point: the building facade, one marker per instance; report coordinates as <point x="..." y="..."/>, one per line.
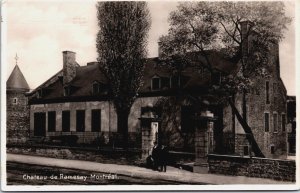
<point x="76" y="102"/>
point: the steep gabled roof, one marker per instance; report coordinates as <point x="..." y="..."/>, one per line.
<point x="16" y="80"/>
<point x="81" y="85"/>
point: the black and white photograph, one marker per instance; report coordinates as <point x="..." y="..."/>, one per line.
<point x="148" y="95"/>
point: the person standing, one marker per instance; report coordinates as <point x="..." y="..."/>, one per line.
<point x="164" y="157"/>
<point x="155" y="156"/>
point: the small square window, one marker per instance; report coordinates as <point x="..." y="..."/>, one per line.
<point x="15" y="101"/>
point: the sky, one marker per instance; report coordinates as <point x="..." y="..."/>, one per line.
<point x="38" y="31"/>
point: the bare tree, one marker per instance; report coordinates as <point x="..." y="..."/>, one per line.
<point x="217" y="26"/>
<point x="121" y="46"/>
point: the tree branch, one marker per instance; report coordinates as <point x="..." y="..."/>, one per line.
<point x="229" y="33"/>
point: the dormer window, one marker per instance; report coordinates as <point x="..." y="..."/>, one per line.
<point x="96" y="88"/>
<point x="155" y="84"/>
<point x="67" y="91"/>
<point x="40" y="93"/>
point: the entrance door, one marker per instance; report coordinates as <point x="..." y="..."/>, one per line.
<point x="39" y="124"/>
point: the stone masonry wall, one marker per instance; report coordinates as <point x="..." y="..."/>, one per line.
<point x="256" y="109"/>
<point x="17" y="122"/>
<point x="284" y="170"/>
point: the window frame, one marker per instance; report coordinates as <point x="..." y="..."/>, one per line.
<point x="15" y="101"/>
<point x="80" y="120"/>
<point x="97" y="88"/>
<point x="275" y="122"/>
<point x="67" y="91"/>
<point x="244" y="148"/>
<point x="267" y="129"/>
<point x="267" y="91"/>
<point x="159" y="82"/>
<point x="272" y="149"/>
<point x="68" y="123"/>
<point x="92" y="120"/>
<point x="40" y="93"/>
<point x="48" y="121"/>
<point x="283" y="126"/>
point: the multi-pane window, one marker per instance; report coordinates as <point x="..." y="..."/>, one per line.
<point x="283" y="122"/>
<point x="267" y="92"/>
<point x="96" y="120"/>
<point x="275" y="122"/>
<point x="80" y="120"/>
<point x="51" y="121"/>
<point x="267" y="122"/>
<point x="66" y="121"/>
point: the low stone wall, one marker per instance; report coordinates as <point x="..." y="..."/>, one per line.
<point x="284" y="170"/>
<point x="103" y="156"/>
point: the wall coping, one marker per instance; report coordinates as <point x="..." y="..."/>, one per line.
<point x="248" y="157"/>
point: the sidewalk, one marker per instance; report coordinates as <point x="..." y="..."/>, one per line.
<point x="172" y="174"/>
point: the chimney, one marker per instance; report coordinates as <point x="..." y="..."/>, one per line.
<point x="159" y="49"/>
<point x="91" y="63"/>
<point x="69" y="66"/>
<point x="245" y="36"/>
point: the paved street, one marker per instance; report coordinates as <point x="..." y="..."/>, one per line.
<point x="173" y="175"/>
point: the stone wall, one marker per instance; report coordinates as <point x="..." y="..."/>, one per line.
<point x="17" y="122"/>
<point x="284" y="170"/>
<point x="256" y="109"/>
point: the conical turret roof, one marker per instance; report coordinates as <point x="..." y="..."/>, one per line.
<point x="16" y="80"/>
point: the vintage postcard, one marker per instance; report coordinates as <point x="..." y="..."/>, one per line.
<point x="148" y="95"/>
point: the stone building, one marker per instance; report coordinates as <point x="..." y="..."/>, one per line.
<point x="291" y="119"/>
<point x="75" y="101"/>
<point x="17" y="107"/>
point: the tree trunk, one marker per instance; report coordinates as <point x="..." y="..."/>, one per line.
<point x="244" y="106"/>
<point x="248" y="131"/>
<point x="123" y="126"/>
